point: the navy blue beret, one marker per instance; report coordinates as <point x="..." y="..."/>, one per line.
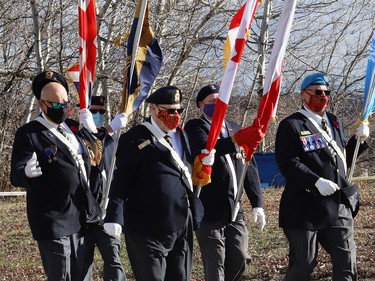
<point x="206" y="91"/>
<point x="97" y="100"/>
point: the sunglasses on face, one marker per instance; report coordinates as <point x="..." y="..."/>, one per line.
<point x="101" y="111"/>
<point x="56" y="105"/>
<point x="171" y="110"/>
<point x="320" y="92"/>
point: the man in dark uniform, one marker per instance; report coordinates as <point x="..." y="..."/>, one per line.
<point x="315" y="205"/>
<point x="151" y="192"/>
<point x="108" y="244"/>
<point x="50" y="160"/>
<point x="223" y="236"/>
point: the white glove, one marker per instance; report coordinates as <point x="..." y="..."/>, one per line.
<point x="258" y="213"/>
<point x="32" y="169"/>
<point x="210" y="158"/>
<point x="326" y="187"/>
<point x="113" y="229"/>
<point x="119" y="122"/>
<point x="363" y="131"/>
<point x="85" y="118"/>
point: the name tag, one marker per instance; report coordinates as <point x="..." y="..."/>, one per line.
<point x="313" y="142"/>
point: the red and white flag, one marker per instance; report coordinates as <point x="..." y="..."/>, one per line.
<point x="271" y="90"/>
<point x="87" y="49"/>
<point x="237" y="34"/>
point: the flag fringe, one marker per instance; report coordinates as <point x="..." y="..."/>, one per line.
<point x="201" y="174"/>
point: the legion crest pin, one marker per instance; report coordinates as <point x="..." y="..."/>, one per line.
<point x="177" y="96"/>
<point x="49" y="74"/>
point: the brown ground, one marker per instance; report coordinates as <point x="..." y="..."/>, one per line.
<point x="19" y="257"/>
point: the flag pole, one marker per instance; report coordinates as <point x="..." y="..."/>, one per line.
<point x="240" y="189"/>
<point x="140" y="10"/>
<point x="354" y="160"/>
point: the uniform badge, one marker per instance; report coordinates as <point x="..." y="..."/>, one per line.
<point x="177" y="96"/>
<point x="144" y="144"/>
<point x="49" y="74"/>
<point x="305" y="133"/>
<point x="50" y="153"/>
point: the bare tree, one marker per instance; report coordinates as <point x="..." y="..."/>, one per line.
<point x="329" y="36"/>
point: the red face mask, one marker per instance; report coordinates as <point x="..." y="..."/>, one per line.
<point x="317" y="103"/>
<point x="169" y="120"/>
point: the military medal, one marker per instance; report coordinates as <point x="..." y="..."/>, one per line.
<point x="316" y="141"/>
<point x="50" y="152"/>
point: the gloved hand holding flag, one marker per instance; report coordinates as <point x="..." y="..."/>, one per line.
<point x="203" y="164"/>
<point x="249" y="137"/>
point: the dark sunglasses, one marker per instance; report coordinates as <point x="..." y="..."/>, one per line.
<point x="101" y="111"/>
<point x="56" y="105"/>
<point x="320" y="92"/>
<point x="171" y="110"/>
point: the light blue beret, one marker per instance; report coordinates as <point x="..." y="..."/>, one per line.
<point x="314" y="79"/>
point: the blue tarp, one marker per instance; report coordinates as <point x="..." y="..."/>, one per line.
<point x="269" y="172"/>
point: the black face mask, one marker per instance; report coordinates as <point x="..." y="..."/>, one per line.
<point x="57" y="115"/>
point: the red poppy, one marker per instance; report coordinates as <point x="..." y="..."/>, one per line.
<point x="335" y="124"/>
<point x="73" y="128"/>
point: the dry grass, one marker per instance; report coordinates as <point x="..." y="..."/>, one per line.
<point x="19" y="257"/>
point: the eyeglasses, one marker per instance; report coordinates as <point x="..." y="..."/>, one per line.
<point x="101" y="111"/>
<point x="319" y="92"/>
<point x="56" y="105"/>
<point x="171" y="110"/>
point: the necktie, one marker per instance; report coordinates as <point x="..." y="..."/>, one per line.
<point x="61" y="130"/>
<point x="325" y="128"/>
<point x="169" y="140"/>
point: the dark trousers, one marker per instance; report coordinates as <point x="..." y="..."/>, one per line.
<point x="109" y="248"/>
<point x="60" y="258"/>
<point x="337" y="240"/>
<point x="223" y="249"/>
<point x="167" y="257"/>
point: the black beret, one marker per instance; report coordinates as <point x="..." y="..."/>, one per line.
<point x="97" y="100"/>
<point x="206" y="91"/>
<point x="165" y="95"/>
<point x="45" y="77"/>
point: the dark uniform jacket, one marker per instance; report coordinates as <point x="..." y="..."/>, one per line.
<point x="302" y="206"/>
<point x="217" y="197"/>
<point x="58" y="200"/>
<point x="103" y="167"/>
<point x="148" y="192"/>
